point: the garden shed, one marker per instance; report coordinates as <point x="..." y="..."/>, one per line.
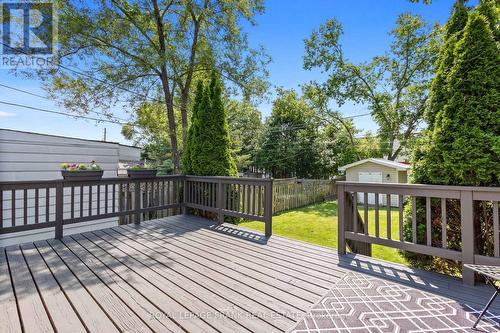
<point x="376" y="170"/>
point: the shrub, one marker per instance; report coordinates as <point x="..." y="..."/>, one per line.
<point x="463" y="145"/>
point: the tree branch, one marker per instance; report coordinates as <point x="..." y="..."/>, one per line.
<point x="135" y="23"/>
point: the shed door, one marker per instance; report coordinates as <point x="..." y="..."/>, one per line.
<point x="369" y="177"/>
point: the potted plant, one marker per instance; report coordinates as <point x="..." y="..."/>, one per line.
<point x="142" y="170"/>
<point x="75" y="171"/>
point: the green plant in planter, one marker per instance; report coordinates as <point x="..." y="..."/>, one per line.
<point x="142" y="166"/>
<point x="73" y="167"/>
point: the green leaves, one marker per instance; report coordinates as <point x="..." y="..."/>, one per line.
<point x="393" y="86"/>
<point x="452" y="34"/>
<point x="152" y="51"/>
<point x="465" y="136"/>
<point x="245" y="128"/>
<point x="323" y="49"/>
<point x="462" y="145"/>
<point x="208" y="151"/>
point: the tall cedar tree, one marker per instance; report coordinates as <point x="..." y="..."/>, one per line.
<point x="452" y="34"/>
<point x="187" y="157"/>
<point x="490" y="10"/>
<point x="464" y="144"/>
<point x="209" y="147"/>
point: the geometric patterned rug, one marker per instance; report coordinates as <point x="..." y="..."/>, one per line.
<point x="360" y="303"/>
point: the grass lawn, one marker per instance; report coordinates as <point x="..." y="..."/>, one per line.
<point x="317" y="224"/>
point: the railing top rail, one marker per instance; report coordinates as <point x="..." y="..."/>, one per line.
<point x="229" y="179"/>
<point x="64" y="181"/>
<point x="284" y="180"/>
<point x="421" y="186"/>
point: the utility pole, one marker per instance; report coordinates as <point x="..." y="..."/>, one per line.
<point x="104" y="137"/>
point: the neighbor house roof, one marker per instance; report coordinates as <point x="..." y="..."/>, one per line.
<point x="392" y="164"/>
<point x="69" y="137"/>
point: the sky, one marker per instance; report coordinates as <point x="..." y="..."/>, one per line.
<point x="281" y="30"/>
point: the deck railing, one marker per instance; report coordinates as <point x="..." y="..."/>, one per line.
<point x="30" y="205"/>
<point x="248" y="198"/>
<point x="358" y="227"/>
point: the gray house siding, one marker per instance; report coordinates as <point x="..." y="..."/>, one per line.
<point x="32" y="156"/>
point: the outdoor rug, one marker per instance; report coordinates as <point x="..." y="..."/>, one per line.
<point x="361" y="303"/>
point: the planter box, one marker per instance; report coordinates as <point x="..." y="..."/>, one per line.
<point x="145" y="173"/>
<point x="82" y="174"/>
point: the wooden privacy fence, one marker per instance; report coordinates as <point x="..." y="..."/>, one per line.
<point x="294" y="193"/>
<point x="30" y="205"/>
<point x="429" y="207"/>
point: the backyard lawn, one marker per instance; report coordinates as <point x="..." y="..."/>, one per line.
<point x="317" y="224"/>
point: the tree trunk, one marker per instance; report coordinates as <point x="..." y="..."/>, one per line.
<point x="172" y="128"/>
<point x="184" y="117"/>
<point x="166" y="89"/>
<point x="391" y="155"/>
<point x="189" y="79"/>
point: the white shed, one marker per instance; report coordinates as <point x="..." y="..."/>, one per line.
<point x="376" y="170"/>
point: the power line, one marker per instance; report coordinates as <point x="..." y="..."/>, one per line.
<point x="41" y="96"/>
<point x="134" y="92"/>
<point x="281" y="159"/>
<point x="269" y="128"/>
<point x="279" y="128"/>
<point x="61" y="113"/>
<point x="97" y="79"/>
<point x="23" y="91"/>
<point x="358" y="115"/>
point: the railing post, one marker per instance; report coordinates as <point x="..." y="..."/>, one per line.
<point x="137" y="202"/>
<point x="341" y="215"/>
<point x="268" y="208"/>
<point x="220" y="199"/>
<point x="59" y="210"/>
<point x="184" y="195"/>
<point x="468" y="237"/>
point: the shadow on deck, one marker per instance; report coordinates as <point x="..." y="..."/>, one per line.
<point x="184" y="273"/>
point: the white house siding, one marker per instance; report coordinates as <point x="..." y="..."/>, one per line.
<point x="352" y="174"/>
<point x="31" y="156"/>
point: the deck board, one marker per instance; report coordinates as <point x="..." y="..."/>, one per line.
<point x="438" y="283"/>
<point x="11" y="322"/>
<point x="147" y="287"/>
<point x="183" y="274"/>
<point x="217" y="291"/>
<point x="88" y="309"/>
<point x="33" y="315"/>
<point x="201" y="300"/>
<point x="232" y="288"/>
<point x="137" y="303"/>
<point x="323" y="269"/>
<point x="234" y="269"/>
<point x="123" y="317"/>
<point x="250" y="265"/>
<point x="62" y="314"/>
<point x="287" y="263"/>
<point x="163" y="284"/>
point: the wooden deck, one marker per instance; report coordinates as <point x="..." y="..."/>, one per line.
<point x="180" y="274"/>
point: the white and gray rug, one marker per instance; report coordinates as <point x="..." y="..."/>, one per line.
<point x="361" y="303"/>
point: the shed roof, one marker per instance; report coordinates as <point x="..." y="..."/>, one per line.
<point x="382" y="161"/>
